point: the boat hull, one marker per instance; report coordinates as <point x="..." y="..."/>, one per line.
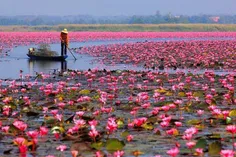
<point x="52" y="58"/>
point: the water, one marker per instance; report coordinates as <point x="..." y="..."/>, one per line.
<point x="17" y="60"/>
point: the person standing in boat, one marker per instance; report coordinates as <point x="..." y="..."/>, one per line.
<point x="64" y="42"/>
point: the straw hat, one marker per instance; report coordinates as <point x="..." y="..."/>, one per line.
<point x="64" y="31"/>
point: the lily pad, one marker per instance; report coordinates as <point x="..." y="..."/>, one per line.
<point x="232" y="113"/>
<point x="202" y="143"/>
<point x="97" y="145"/>
<point x="84" y="92"/>
<point x="215" y="136"/>
<point x="228" y="120"/>
<point x="181" y="94"/>
<point x="168" y="93"/>
<point x="194" y="122"/>
<point x="199" y="94"/>
<point x="124" y="134"/>
<point x="50" y="120"/>
<point x="57" y="129"/>
<point x="120" y="123"/>
<point x="215" y="148"/>
<point x="147" y="126"/>
<point x="114" y="144"/>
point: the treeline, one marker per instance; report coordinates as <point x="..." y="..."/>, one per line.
<point x="87" y="19"/>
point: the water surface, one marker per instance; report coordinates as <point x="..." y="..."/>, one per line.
<point x="17" y="59"/>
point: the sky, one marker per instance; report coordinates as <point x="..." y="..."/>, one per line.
<point x="115" y="7"/>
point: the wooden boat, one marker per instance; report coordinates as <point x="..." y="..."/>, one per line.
<point x="53" y="58"/>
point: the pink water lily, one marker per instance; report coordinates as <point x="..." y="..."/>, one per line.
<point x="20" y="125"/>
<point x="20" y="141"/>
<point x="61" y="148"/>
<point x="173" y="152"/>
<point x="231" y="129"/>
<point x="227" y="153"/>
<point x="118" y="153"/>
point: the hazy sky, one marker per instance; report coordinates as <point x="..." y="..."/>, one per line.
<point x="116" y="7"/>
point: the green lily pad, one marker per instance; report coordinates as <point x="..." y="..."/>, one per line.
<point x="199" y="94"/>
<point x="147" y="126"/>
<point x="120" y="123"/>
<point x="124" y="134"/>
<point x="168" y="93"/>
<point x="57" y="129"/>
<point x="232" y="113"/>
<point x="181" y="94"/>
<point x="194" y="122"/>
<point x="114" y="144"/>
<point x="202" y="143"/>
<point x="228" y="120"/>
<point x="50" y="120"/>
<point x="215" y="136"/>
<point x="215" y="148"/>
<point x="97" y="145"/>
<point x="84" y="92"/>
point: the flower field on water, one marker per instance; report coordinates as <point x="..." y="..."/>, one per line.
<point x="98" y="112"/>
<point x="12" y="39"/>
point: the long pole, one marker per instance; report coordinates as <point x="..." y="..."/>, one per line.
<point x="72" y="53"/>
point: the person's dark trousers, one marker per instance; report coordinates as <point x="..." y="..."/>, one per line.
<point x="63" y="49"/>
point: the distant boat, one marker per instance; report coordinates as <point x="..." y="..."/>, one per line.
<point x="53" y="58"/>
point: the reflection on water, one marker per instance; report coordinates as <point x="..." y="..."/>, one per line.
<point x="51" y="66"/>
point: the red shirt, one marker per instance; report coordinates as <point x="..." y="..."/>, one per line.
<point x="64" y="38"/>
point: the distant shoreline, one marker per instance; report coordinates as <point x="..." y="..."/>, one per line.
<point x="124" y="28"/>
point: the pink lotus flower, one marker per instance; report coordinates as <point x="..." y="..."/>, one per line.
<point x="111" y="125"/>
<point x="59" y="117"/>
<point x="173" y="152"/>
<point x="200" y="112"/>
<point x="191" y="130"/>
<point x="199" y="151"/>
<point x="139" y="121"/>
<point x="98" y="154"/>
<point x="61" y="147"/>
<point x="118" y="153"/>
<point x="178" y="124"/>
<point x="61" y="104"/>
<point x="19" y="141"/>
<point x="188" y="134"/>
<point x="129" y="138"/>
<point x="71" y="103"/>
<point x="79" y="122"/>
<point x="146" y="105"/>
<point x="96" y="113"/>
<point x="231" y="129"/>
<point x="22" y="149"/>
<point x="164" y="124"/>
<point x="93" y="133"/>
<point x="227" y="153"/>
<point x="33" y="134"/>
<point x="155" y="111"/>
<point x="80" y="113"/>
<point x="20" y="125"/>
<point x="6" y="110"/>
<point x="74" y="153"/>
<point x="93" y="123"/>
<point x="5" y="129"/>
<point x="43" y="131"/>
<point x="190" y="144"/>
<point x="54" y="112"/>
